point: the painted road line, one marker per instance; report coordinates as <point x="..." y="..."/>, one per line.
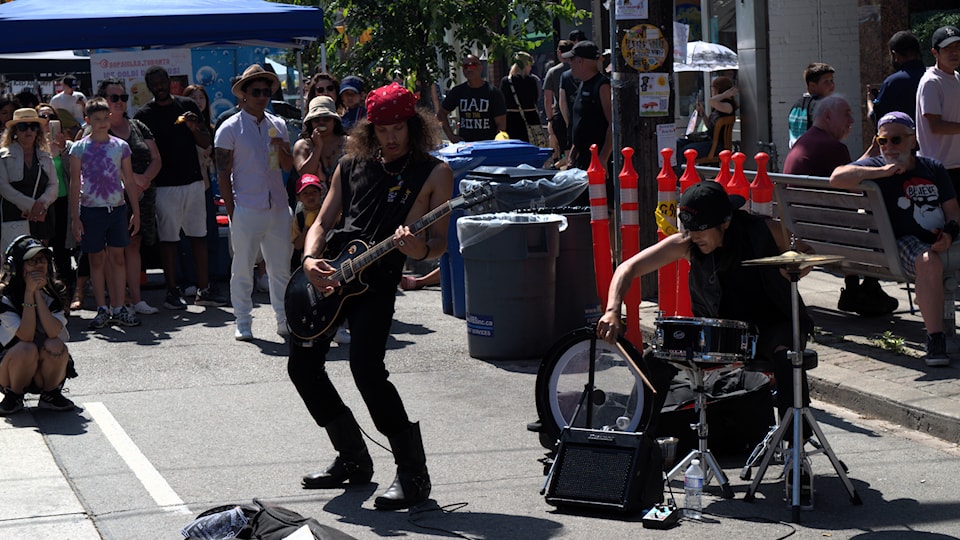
<point x="156" y="486"/>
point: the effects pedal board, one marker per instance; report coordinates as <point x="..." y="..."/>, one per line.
<point x="661" y="516"/>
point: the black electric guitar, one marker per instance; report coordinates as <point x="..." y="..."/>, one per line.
<point x="312" y="313"/>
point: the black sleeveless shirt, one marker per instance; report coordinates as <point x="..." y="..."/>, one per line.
<point x="374" y="203"/>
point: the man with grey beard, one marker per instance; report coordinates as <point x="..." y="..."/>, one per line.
<point x="923" y="210"/>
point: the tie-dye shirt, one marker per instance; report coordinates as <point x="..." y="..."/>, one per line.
<point x="100" y="183"/>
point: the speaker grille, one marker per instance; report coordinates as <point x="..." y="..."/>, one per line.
<point x="594" y="473"/>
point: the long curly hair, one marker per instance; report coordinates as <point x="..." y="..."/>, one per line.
<point x="422" y="137"/>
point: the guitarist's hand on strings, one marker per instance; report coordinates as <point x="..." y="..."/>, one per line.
<point x="318" y="271"/>
<point x="410" y="245"/>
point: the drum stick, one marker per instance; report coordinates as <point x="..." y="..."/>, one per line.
<point x="636" y="368"/>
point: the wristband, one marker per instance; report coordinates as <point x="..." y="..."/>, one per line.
<point x="305" y="257"/>
<point x="25" y="304"/>
<point x="425" y="255"/>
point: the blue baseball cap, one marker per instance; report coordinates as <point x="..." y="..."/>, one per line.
<point x="351" y="82"/>
<point x="897" y="117"/>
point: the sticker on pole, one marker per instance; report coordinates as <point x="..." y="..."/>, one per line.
<point x="643" y="47"/>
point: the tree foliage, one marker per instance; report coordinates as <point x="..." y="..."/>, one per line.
<point x="416" y="38"/>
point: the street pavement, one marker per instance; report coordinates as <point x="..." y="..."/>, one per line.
<point x="177" y="417"/>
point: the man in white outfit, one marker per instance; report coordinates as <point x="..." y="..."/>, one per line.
<point x="252" y="148"/>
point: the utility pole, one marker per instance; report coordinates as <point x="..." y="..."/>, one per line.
<point x="642" y="44"/>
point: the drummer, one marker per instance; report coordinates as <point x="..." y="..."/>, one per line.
<point x="717" y="238"/>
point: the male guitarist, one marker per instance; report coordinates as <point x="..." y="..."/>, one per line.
<point x="385" y="183"/>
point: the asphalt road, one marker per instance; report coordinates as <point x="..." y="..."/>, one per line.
<point x="178" y="417"/>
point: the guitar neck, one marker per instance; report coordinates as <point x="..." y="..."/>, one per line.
<point x="371" y="255"/>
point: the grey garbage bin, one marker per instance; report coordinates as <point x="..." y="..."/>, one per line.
<point x="577" y="302"/>
<point x="510" y="282"/>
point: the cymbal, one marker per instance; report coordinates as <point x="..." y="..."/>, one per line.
<point x="794" y="259"/>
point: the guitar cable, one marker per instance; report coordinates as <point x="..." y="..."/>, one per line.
<point x="416" y="512"/>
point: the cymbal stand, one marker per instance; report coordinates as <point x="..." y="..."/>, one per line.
<point x="708" y="462"/>
<point x="794" y="419"/>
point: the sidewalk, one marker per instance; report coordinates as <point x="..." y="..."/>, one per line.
<point x="856" y="373"/>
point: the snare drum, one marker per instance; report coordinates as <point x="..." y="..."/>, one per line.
<point x="708" y="341"/>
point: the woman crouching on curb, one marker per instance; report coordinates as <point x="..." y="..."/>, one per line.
<point x="33" y="330"/>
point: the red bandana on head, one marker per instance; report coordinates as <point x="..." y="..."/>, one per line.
<point x="390" y="104"/>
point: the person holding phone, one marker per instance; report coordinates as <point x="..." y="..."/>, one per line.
<point x="62" y="241"/>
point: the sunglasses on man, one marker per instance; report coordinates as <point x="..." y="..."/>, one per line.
<point x="896" y="139"/>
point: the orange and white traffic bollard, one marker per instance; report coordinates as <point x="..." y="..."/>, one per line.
<point x="630" y="238"/>
<point x="600" y="226"/>
<point x="666" y="217"/>
<point x="761" y="189"/>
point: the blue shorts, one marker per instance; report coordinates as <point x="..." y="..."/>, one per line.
<point x="103" y="226"/>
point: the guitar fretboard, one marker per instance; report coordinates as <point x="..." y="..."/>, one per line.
<point x="371" y="255"/>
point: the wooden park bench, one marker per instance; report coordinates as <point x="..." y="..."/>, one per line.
<point x="852" y="223"/>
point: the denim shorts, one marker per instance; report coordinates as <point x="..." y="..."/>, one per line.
<point x="104" y="226"/>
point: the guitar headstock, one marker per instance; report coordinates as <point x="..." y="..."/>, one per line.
<point x="477" y="195"/>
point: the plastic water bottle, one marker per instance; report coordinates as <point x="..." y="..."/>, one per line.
<point x="274" y="149"/>
<point x="693" y="490"/>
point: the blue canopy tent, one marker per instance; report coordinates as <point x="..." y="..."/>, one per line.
<point x="49" y="25"/>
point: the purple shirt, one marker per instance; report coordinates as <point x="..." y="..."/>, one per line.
<point x="100" y="182"/>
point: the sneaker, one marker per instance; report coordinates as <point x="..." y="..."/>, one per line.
<point x="125" y="317"/>
<point x="282" y="329"/>
<point x="12" y="403"/>
<point x="243" y="332"/>
<point x="936" y="350"/>
<point x="102" y="318"/>
<point x="53" y="400"/>
<point x="343" y="336"/>
<point x="142" y="308"/>
<point x="174" y="300"/>
<point x="848" y="298"/>
<point x="872" y="301"/>
<point x="191" y="290"/>
<point x="209" y="297"/>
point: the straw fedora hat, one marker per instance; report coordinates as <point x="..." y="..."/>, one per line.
<point x="25" y="116"/>
<point x="255" y="72"/>
<point x="321" y="107"/>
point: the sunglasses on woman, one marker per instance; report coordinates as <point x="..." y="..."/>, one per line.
<point x="330" y="88"/>
<point x="260" y="92"/>
<point x="118" y="97"/>
<point x="49" y="116"/>
<point x="25" y="126"/>
<point x="896" y="139"/>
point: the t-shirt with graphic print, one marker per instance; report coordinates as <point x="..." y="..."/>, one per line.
<point x="914" y="199"/>
<point x="100" y="182"/>
<point x="479" y="108"/>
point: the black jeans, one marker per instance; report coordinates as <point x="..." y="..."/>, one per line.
<point x="370" y="316"/>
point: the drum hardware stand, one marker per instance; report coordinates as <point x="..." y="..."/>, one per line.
<point x="710" y="465"/>
<point x="793" y="264"/>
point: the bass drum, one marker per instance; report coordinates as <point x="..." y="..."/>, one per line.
<point x="621" y="400"/>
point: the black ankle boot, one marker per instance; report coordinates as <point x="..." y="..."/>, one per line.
<point x="411" y="486"/>
<point x="353" y="464"/>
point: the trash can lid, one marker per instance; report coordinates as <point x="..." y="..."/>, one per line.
<point x="474" y="229"/>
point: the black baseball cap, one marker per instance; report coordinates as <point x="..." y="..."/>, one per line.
<point x="944" y="36"/>
<point x="706" y="205"/>
<point x="584" y="49"/>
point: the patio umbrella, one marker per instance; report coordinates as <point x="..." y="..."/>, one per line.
<point x="703" y="56"/>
